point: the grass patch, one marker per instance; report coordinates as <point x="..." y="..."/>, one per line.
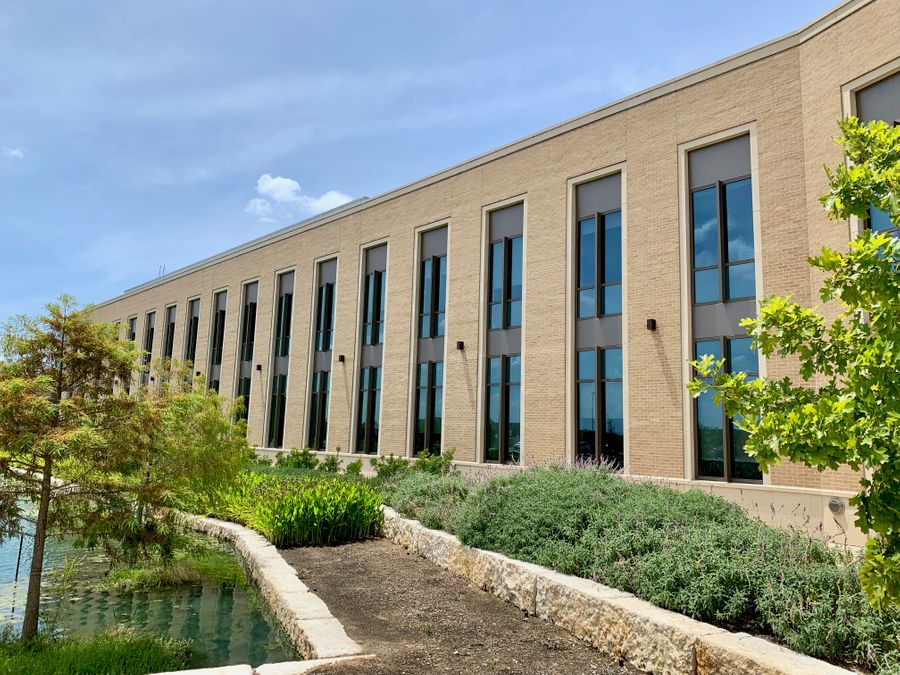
<point x="688" y="552"/>
<point x="199" y="564"/>
<point x="119" y="653"/>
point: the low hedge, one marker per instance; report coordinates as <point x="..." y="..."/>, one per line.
<point x="688" y="552"/>
<point x="304" y="511"/>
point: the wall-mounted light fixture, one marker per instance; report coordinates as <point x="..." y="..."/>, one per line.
<point x="340" y="358"/>
<point x="259" y="366"/>
<point x="197" y="373"/>
<point x="460" y="345"/>
<point x="651" y="324"/>
<point x="836" y="505"/>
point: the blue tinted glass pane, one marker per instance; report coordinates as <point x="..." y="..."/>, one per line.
<point x="492" y="451"/>
<point x="587" y="252"/>
<point x="739" y="220"/>
<point x="515" y="368"/>
<point x="494" y="370"/>
<point x="425" y="301"/>
<point x="515" y="268"/>
<point x="425" y="325"/>
<point x="587" y="420"/>
<point x="515" y="313"/>
<point x="741" y="358"/>
<point x="587" y="305"/>
<point x="421" y="411"/>
<point x="612" y="247"/>
<point x="706" y="228"/>
<point x="879" y="220"/>
<point x="614" y="417"/>
<point x="710" y="439"/>
<point x="497" y="271"/>
<point x="423" y="375"/>
<point x="442" y="283"/>
<point x="439" y="373"/>
<point x="612" y="299"/>
<point x="441" y="325"/>
<point x="706" y="285"/>
<point x="611" y="365"/>
<point x="711" y="347"/>
<point x="587" y="365"/>
<point x="514" y="426"/>
<point x="742" y="281"/>
<point x="495" y="316"/>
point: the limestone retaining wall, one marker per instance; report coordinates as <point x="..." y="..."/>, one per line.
<point x="616" y="623"/>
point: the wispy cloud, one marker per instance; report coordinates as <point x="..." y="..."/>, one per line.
<point x="281" y="198"/>
<point x="13" y="153"/>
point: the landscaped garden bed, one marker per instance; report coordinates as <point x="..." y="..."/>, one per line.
<point x="685" y="551"/>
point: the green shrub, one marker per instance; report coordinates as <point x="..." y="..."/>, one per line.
<point x="331" y="464"/>
<point x="353" y="468"/>
<point x="439" y="465"/>
<point x="432" y="499"/>
<point x="389" y="466"/>
<point x="685" y="551"/>
<point x="118" y="652"/>
<point x="306" y="511"/>
<point x="302" y="460"/>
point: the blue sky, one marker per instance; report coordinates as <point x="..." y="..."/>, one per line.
<point x="140" y="134"/>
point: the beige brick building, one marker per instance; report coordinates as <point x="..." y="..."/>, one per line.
<point x="540" y="302"/>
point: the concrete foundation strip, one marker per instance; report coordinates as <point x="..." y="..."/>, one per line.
<point x="616" y="623"/>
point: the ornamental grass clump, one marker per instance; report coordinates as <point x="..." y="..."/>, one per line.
<point x="431" y="499"/>
<point x="688" y="552"/>
<point x="306" y="511"/>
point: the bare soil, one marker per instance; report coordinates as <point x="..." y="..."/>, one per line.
<point x="418" y="618"/>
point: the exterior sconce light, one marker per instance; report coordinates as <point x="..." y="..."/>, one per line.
<point x="651" y="324"/>
<point x="259" y="367"/>
<point x="460" y="345"/>
<point x="197" y="373"/>
<point x="152" y="379"/>
<point x="836" y="506"/>
<point x="340" y="358"/>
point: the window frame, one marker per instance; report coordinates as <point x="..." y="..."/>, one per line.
<point x="722" y="242"/>
<point x="431" y="311"/>
<point x="317" y="434"/>
<point x="169" y="335"/>
<point x="373" y="308"/>
<point x="599" y="407"/>
<point x="217" y="337"/>
<point x="599" y="264"/>
<point x="431" y="388"/>
<point x="504" y="385"/>
<point x="192" y="330"/>
<point x="727" y="422"/>
<point x="325" y="308"/>
<point x="149" y="336"/>
<point x="506" y="297"/>
<point x="370" y="398"/>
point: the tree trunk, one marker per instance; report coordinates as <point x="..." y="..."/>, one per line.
<point x="33" y="599"/>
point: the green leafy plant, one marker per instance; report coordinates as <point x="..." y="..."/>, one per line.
<point x="308" y="511"/>
<point x="353" y="468"/>
<point x="301" y="460"/>
<point x="331" y="464"/>
<point x="439" y="465"/>
<point x="846" y="410"/>
<point x="388" y="466"/>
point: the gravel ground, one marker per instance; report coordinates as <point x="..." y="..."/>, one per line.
<point x="418" y="618"/>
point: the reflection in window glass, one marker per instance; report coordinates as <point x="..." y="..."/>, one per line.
<point x="879" y="221"/>
<point x="739" y="220"/>
<point x="706" y="228"/>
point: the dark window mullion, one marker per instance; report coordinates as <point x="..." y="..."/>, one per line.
<point x="599" y="394"/>
<point x="722" y="240"/>
<point x="435" y="291"/>
<point x="507" y="280"/>
<point x="599" y="264"/>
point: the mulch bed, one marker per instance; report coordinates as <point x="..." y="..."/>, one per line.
<point x="418" y="618"/>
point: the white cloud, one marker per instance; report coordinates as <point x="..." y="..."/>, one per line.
<point x="13" y="153"/>
<point x="283" y="198"/>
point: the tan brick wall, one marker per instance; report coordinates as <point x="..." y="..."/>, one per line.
<point x="794" y="99"/>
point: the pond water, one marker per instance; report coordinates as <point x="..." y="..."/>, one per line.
<point x="225" y="623"/>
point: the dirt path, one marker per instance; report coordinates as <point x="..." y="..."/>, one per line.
<point x="418" y="618"/>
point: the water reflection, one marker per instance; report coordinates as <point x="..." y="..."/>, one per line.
<point x="224" y="623"/>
